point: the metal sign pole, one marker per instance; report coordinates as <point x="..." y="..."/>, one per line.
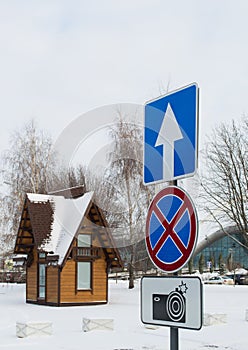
<point x="174" y="338"/>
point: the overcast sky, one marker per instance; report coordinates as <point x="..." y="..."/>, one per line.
<point x="60" y="59"/>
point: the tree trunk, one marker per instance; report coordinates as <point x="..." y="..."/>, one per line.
<point x="131" y="276"/>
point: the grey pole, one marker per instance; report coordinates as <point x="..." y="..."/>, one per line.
<point x="174" y="338"/>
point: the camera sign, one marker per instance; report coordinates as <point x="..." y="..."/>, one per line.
<point x="171" y="229"/>
<point x="172" y="301"/>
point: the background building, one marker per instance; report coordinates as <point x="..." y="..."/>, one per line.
<point x="221" y="249"/>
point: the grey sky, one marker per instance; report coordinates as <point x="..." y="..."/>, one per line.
<point x="60" y="59"/>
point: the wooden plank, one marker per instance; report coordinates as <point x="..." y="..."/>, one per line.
<point x="52" y="284"/>
<point x="68" y="284"/>
<point x="32" y="279"/>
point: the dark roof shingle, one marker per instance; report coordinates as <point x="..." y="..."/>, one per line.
<point x="41" y="216"/>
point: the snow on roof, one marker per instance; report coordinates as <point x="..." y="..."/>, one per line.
<point x="68" y="214"/>
<point x="36" y="197"/>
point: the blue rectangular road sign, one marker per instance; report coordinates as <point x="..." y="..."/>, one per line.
<point x="171" y="136"/>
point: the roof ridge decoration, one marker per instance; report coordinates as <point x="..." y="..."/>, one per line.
<point x="72" y="192"/>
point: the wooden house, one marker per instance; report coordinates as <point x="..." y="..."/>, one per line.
<point x="69" y="249"/>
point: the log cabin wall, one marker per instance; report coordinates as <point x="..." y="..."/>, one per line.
<point x="98" y="291"/>
<point x="32" y="279"/>
<point x="52" y="285"/>
<point x="69" y="292"/>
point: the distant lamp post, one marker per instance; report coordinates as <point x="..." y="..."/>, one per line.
<point x="231" y="257"/>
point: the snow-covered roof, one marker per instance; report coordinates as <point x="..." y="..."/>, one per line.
<point x="67" y="216"/>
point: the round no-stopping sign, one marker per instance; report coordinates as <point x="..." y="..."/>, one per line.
<point x="171" y="229"/>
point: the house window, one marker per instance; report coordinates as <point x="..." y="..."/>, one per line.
<point x="84" y="275"/>
<point x="84" y="245"/>
<point x="42" y="255"/>
<point x="84" y="268"/>
<point x="42" y="281"/>
<point x="84" y="240"/>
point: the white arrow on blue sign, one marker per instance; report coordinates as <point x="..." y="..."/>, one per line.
<point x="171" y="136"/>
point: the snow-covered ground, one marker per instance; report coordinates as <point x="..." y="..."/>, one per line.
<point x="129" y="333"/>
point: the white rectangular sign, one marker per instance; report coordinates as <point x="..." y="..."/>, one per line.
<point x="172" y="301"/>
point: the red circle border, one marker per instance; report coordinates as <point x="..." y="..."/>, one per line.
<point x="177" y="265"/>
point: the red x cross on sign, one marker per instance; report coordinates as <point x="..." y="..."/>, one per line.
<point x="171" y="229"/>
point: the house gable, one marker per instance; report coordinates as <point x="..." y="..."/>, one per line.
<point x="105" y="237"/>
<point x="25" y="239"/>
<point x="94" y="223"/>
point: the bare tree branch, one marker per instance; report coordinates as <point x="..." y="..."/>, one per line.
<point x="225" y="181"/>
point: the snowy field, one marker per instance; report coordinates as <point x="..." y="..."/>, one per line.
<point x="129" y="333"/>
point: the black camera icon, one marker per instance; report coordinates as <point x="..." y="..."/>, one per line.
<point x="169" y="307"/>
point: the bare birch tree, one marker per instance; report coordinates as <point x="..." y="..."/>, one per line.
<point x="124" y="184"/>
<point x="30" y="165"/>
<point x="225" y="182"/>
<point x="27" y="166"/>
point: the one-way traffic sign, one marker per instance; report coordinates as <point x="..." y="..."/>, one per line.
<point x="170" y="136"/>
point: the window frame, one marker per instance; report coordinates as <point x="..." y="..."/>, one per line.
<point x="42" y="255"/>
<point x="88" y="245"/>
<point x="42" y="296"/>
<point x="88" y="262"/>
<point x="88" y="283"/>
